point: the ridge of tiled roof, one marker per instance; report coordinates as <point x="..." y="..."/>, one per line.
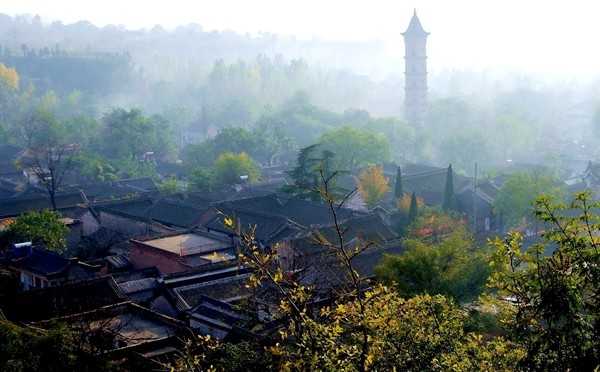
<point x="16" y="206"/>
<point x="106" y="191"/>
<point x="205" y="273"/>
<point x="160" y="210"/>
<point x="139" y="184"/>
<point x="424" y="174"/>
<point x="193" y="198"/>
<point x="267" y="224"/>
<point x="413" y="168"/>
<point x="165" y="211"/>
<point x="219" y="289"/>
<point x="70" y="298"/>
<point x="361" y="226"/>
<point x="295" y="209"/>
<point x="138" y="285"/>
<point x="268" y="203"/>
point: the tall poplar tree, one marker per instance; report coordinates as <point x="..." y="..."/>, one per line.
<point x="413" y="209"/>
<point x="449" y="196"/>
<point x="399" y="190"/>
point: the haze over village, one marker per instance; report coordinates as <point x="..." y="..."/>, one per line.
<point x="270" y="185"/>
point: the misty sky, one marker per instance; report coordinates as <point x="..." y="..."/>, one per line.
<point x="530" y="36"/>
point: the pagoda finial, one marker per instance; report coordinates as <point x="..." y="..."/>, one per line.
<point x="415" y="13"/>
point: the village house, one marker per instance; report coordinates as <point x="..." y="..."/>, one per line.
<point x="474" y="198"/>
<point x="178" y="251"/>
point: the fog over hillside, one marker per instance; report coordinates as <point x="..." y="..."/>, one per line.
<point x="491" y="94"/>
<point x="554" y="39"/>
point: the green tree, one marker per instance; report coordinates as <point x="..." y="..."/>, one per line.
<point x="43" y="228"/>
<point x="433" y="224"/>
<point x="39" y="127"/>
<point x="84" y="131"/>
<point x="199" y="155"/>
<point x="465" y="147"/>
<point x="271" y="141"/>
<point x="233" y="139"/>
<point x="131" y="168"/>
<point x="356" y="148"/>
<point x="49" y="157"/>
<point x="229" y="167"/>
<point x="168" y="187"/>
<point x="399" y="188"/>
<point x="94" y="169"/>
<point x="412" y="209"/>
<point x="199" y="177"/>
<point x="552" y="288"/>
<point x="128" y="134"/>
<point x="27" y="349"/>
<point x="49" y="164"/>
<point x="312" y="161"/>
<point x="453" y="267"/>
<point x="229" y="139"/>
<point x="372" y="185"/>
<point x="521" y="189"/>
<point x="401" y="135"/>
<point x="364" y="329"/>
<point x="449" y="195"/>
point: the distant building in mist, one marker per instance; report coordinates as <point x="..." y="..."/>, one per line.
<point x="415" y="72"/>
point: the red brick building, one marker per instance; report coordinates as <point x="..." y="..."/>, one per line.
<point x="181" y="251"/>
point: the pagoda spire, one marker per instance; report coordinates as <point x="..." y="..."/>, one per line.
<point x="414" y="27"/>
<point x="415" y="72"/>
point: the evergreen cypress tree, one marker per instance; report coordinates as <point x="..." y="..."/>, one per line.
<point x="413" y="209"/>
<point x="399" y="191"/>
<point x="449" y="197"/>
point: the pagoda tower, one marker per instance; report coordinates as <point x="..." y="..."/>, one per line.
<point x="415" y="73"/>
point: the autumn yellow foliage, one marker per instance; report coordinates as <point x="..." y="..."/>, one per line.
<point x="9" y="76"/>
<point x="403" y="203"/>
<point x="372" y="185"/>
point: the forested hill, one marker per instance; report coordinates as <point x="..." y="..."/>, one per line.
<point x="192" y="43"/>
<point x="187" y="65"/>
<point x="53" y="69"/>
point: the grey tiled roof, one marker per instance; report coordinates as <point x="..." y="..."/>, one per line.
<point x="226" y="289"/>
<point x="139" y="285"/>
<point x="265" y="203"/>
<point x="195" y="199"/>
<point x="173" y="213"/>
<point x="105" y="191"/>
<point x="368" y="229"/>
<point x="159" y="210"/>
<point x="39" y="261"/>
<point x="48" y="303"/>
<point x="431" y="185"/>
<point x="412" y="168"/>
<point x="266" y="225"/>
<point x="138" y="184"/>
<point x="18" y="205"/>
<point x="308" y="213"/>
